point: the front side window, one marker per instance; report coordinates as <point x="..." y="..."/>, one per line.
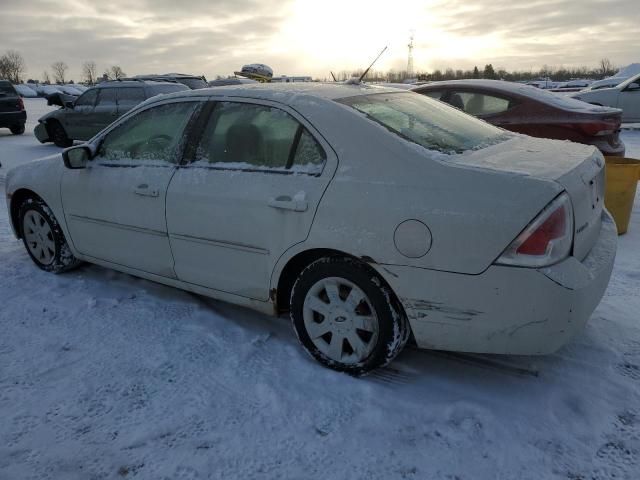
<point x="153" y="135"/>
<point x="87" y="99"/>
<point x="427" y="122"/>
<point x="107" y="97"/>
<point x="479" y="104"/>
<point x="256" y="137"/>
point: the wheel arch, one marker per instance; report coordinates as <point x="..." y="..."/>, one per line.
<point x="287" y="276"/>
<point x="17" y="199"/>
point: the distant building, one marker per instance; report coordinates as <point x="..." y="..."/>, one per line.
<point x="286" y="79"/>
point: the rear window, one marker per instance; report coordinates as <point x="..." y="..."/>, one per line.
<point x="427" y="122"/>
<point x="7" y="90"/>
<point x="167" y="88"/>
<point x="193" y="83"/>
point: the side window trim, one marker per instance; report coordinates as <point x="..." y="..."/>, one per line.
<point x="190" y="152"/>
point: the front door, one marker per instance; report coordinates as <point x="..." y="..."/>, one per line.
<point x="115" y="208"/>
<point x="76" y="120"/>
<point x="629" y="102"/>
<point x="251" y="193"/>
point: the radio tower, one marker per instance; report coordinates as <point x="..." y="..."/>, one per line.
<point x="410" y="59"/>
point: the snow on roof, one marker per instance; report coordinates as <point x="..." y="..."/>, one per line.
<point x="287" y="92"/>
<point x="534" y="93"/>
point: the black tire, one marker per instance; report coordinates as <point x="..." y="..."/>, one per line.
<point x="58" y="135"/>
<point x="393" y="329"/>
<point x="63" y="259"/>
<point x="17" y="129"/>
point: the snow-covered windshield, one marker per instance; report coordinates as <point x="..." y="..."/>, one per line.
<point x="427" y="122"/>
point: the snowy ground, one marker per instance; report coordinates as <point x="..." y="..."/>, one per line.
<point x="105" y="376"/>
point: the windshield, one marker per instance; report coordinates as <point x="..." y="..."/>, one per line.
<point x="193" y="83"/>
<point x="427" y="122"/>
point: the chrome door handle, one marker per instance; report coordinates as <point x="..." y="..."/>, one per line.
<point x="285" y="202"/>
<point x="145" y="191"/>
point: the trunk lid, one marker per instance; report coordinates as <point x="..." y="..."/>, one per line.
<point x="579" y="169"/>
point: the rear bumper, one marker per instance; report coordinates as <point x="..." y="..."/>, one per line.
<point x="609" y="150"/>
<point x="10" y="119"/>
<point x="41" y="133"/>
<point x="505" y="310"/>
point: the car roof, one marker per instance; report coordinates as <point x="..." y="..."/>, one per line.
<point x="288" y="92"/>
<point x="131" y="83"/>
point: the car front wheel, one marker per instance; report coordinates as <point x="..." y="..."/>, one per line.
<point x="345" y="316"/>
<point x="58" y="135"/>
<point x="43" y="237"/>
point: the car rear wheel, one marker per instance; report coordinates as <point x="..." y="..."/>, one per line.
<point x="345" y="317"/>
<point x="58" y="135"/>
<point x="17" y="129"/>
<point x="43" y="237"/>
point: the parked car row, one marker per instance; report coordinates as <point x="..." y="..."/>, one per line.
<point x="373" y="216"/>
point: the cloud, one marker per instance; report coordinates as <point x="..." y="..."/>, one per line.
<point x="217" y="37"/>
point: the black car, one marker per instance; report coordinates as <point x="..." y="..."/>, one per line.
<point x="99" y="106"/>
<point x="12" y="113"/>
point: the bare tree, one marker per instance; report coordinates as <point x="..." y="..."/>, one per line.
<point x="117" y="72"/>
<point x="59" y="71"/>
<point x="605" y="67"/>
<point x="12" y="66"/>
<point x="89" y="69"/>
<point x="45" y="77"/>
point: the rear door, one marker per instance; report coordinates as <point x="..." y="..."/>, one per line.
<point x="76" y="120"/>
<point x="250" y="193"/>
<point x="115" y="208"/>
<point x="129" y="97"/>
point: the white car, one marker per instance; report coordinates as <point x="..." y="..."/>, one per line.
<point x="372" y="215"/>
<point x="625" y="96"/>
<point x="24" y="91"/>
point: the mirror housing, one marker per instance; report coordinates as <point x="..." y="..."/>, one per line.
<point x="77" y="157"/>
<point x="69" y="104"/>
<point x="633" y="86"/>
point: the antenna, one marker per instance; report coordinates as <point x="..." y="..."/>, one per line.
<point x="334" y="77"/>
<point x="369" y="67"/>
<point x="410" y="59"/>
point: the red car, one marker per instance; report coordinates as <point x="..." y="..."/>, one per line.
<point x="532" y="111"/>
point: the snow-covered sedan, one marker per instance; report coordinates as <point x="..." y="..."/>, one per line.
<point x="373" y="216"/>
<point x="626" y="96"/>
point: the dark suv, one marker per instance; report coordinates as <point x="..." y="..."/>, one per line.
<point x="12" y="113"/>
<point x="96" y="108"/>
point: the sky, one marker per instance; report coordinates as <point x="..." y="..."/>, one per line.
<point x="312" y="37"/>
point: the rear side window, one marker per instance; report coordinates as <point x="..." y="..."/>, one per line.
<point x="244" y="136"/>
<point x="435" y="94"/>
<point x="87" y="99"/>
<point x="7" y="90"/>
<point x="129" y="97"/>
<point x="153" y="135"/>
<point x="479" y="104"/>
<point x="107" y="97"/>
<point x="429" y="123"/>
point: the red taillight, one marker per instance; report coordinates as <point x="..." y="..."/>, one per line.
<point x="20" y="104"/>
<point x="600" y="128"/>
<point x="546" y="240"/>
<point x="553" y="228"/>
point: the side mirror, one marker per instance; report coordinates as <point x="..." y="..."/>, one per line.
<point x="633" y="86"/>
<point x="77" y="157"/>
<point x="69" y="104"/>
